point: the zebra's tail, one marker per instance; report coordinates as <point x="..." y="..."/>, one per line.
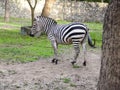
<point x="90" y="42"/>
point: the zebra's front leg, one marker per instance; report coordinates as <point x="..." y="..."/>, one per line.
<point x="77" y="51"/>
<point x="55" y="47"/>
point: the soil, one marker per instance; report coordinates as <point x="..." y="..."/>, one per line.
<point x="44" y="75"/>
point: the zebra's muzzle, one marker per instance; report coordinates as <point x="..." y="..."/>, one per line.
<point x="32" y="35"/>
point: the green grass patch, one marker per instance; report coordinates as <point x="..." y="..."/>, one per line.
<point x="66" y="80"/>
<point x="73" y="85"/>
<point x="95" y="26"/>
<point x="16" y="22"/>
<point x="23" y="48"/>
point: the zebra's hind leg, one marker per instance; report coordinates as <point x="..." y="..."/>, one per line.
<point x="55" y="61"/>
<point x="84" y="51"/>
<point x="77" y="51"/>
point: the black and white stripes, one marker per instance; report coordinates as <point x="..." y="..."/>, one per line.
<point x="73" y="33"/>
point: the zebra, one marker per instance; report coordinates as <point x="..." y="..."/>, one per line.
<point x="74" y="33"/>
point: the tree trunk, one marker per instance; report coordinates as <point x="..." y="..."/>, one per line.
<point x="47" y="7"/>
<point x="110" y="65"/>
<point x="6" y="17"/>
<point x="102" y="1"/>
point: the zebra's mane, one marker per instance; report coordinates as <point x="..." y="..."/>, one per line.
<point x="47" y="18"/>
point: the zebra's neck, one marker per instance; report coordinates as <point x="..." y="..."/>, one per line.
<point x="49" y="28"/>
<point x="47" y="23"/>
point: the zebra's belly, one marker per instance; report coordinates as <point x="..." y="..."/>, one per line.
<point x="69" y="41"/>
<point x="62" y="42"/>
<point x="65" y="43"/>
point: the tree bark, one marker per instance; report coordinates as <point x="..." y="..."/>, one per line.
<point x="110" y="65"/>
<point x="47" y="7"/>
<point x="6" y="17"/>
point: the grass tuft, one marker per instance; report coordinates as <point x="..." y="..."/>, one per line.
<point x="66" y="80"/>
<point x="76" y="66"/>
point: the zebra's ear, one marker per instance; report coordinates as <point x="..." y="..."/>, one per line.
<point x="37" y="16"/>
<point x="36" y="19"/>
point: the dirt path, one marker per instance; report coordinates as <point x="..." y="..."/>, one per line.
<point x="43" y="75"/>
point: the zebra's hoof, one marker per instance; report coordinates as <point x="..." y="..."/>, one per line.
<point x="73" y="62"/>
<point x="84" y="63"/>
<point x="55" y="61"/>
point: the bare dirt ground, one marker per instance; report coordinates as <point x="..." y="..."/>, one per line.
<point x="44" y="75"/>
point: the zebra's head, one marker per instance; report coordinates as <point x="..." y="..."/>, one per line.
<point x="36" y="28"/>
